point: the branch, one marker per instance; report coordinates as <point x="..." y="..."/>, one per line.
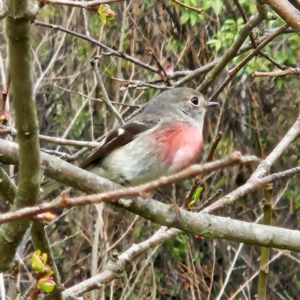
<point x="103" y="89"/>
<point x="260" y="172"/>
<point x="252" y="38"/>
<point x="278" y="73"/>
<point x="115" y="267"/>
<point x="197" y="10"/>
<point x="108" y="196"/>
<point x="20" y="66"/>
<point x="231" y="52"/>
<point x="196" y="223"/>
<point x="286" y="11"/>
<point x="89" y="5"/>
<point x="110" y="51"/>
<point x="235" y="70"/>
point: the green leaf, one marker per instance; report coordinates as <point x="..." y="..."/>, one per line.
<point x="198" y="193"/>
<point x="46" y="284"/>
<point x="184" y="18"/>
<point x="193" y="18"/>
<point x="102" y="15"/>
<point x="38" y="261"/>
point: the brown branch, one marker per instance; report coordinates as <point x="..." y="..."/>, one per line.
<point x="89" y="5"/>
<point x="110" y="51"/>
<point x="189" y="75"/>
<point x="252" y="38"/>
<point x="197" y="10"/>
<point x="278" y="73"/>
<point x="94" y="65"/>
<point x="265" y="252"/>
<point x="233" y="159"/>
<point x="286" y="11"/>
<point x="61" y="141"/>
<point x="231" y="52"/>
<point x="96" y="99"/>
<point x="235" y="70"/>
<point x="161" y="70"/>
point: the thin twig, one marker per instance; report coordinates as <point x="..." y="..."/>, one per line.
<point x="234" y="71"/>
<point x="208" y="201"/>
<point x="197" y="10"/>
<point x="262" y="170"/>
<point x="252" y="39"/>
<point x="278" y="73"/>
<point x="265" y="252"/>
<point x="105" y="96"/>
<point x="62" y="155"/>
<point x="95" y="99"/>
<point x="110" y="51"/>
<point x="89" y="5"/>
<point x="61" y="141"/>
<point x="161" y="69"/>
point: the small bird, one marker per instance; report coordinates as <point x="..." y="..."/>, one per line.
<point x="164" y="138"/>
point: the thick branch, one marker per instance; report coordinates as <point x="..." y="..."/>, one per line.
<point x="287" y="12"/>
<point x="20" y="66"/>
<point x="199" y="224"/>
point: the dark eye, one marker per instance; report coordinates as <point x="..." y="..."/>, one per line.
<point x="195" y="100"/>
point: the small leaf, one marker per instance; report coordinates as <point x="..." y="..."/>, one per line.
<point x="184" y="18"/>
<point x="105" y="13"/>
<point x="38" y="261"/>
<point x="198" y="193"/>
<point x="46" y="284"/>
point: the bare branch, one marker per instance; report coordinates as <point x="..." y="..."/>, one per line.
<point x="235" y="70"/>
<point x="261" y="171"/>
<point x="231" y="52"/>
<point x="89" y="5"/>
<point x="197" y="10"/>
<point x="94" y="62"/>
<point x="278" y="73"/>
<point x="110" y="51"/>
<point x="287" y="12"/>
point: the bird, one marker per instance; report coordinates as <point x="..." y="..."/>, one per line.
<point x="165" y="137"/>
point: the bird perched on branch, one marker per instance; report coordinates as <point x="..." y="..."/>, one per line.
<point x="164" y="138"/>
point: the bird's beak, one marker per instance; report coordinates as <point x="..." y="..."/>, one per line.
<point x="211" y="104"/>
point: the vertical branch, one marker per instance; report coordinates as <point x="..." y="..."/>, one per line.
<point x="264" y="260"/>
<point x="20" y="66"/>
<point x="41" y="242"/>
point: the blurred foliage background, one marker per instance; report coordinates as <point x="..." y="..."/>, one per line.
<point x="254" y="114"/>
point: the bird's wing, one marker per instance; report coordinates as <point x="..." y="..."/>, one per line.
<point x="121" y="136"/>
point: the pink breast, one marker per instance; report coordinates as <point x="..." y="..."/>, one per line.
<point x="181" y="145"/>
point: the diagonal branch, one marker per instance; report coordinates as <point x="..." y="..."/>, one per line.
<point x="260" y="172"/>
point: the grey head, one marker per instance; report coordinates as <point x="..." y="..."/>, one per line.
<point x="181" y="103"/>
